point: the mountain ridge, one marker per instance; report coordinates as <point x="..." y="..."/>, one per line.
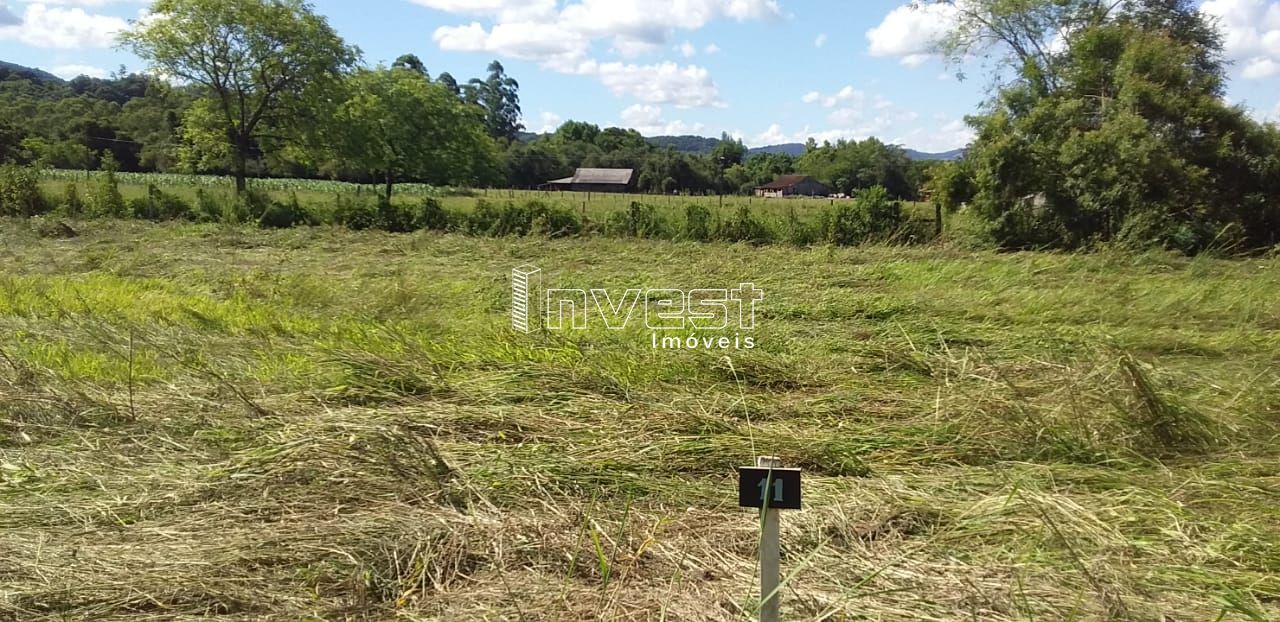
<point x="702" y="145"/>
<point x="14" y="71"/>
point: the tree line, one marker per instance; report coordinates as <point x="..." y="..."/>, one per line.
<point x="268" y="88"/>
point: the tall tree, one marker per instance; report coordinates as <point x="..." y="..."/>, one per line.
<point x="260" y="63"/>
<point x="413" y="63"/>
<point x="728" y="152"/>
<point x="447" y="80"/>
<point x="397" y="126"/>
<point x="499" y="94"/>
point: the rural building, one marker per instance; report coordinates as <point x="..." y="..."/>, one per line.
<point x="595" y="180"/>
<point x="793" y="186"/>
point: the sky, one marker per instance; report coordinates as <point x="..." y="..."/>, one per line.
<point x="765" y="71"/>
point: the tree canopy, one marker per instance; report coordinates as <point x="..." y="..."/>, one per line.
<point x="1113" y="127"/>
<point x="394" y="125"/>
<point x="262" y="64"/>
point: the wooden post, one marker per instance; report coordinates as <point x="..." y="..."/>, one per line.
<point x="937" y="215"/>
<point x="770" y="554"/>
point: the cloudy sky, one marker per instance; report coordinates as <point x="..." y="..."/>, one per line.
<point x="768" y="71"/>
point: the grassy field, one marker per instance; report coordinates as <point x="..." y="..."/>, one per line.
<point x="204" y="422"/>
<point x="320" y="196"/>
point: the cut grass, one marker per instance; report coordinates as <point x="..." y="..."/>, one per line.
<point x="202" y="422"/>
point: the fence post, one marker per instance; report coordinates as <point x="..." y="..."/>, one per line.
<point x="770" y="554"/>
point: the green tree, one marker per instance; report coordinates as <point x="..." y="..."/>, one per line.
<point x="260" y="64"/>
<point x="728" y="152"/>
<point x="1121" y="134"/>
<point x="396" y="126"/>
<point x="447" y="80"/>
<point x="412" y="63"/>
<point x="499" y="95"/>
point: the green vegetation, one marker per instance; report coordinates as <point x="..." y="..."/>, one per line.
<point x="252" y="106"/>
<point x="1119" y="133"/>
<point x="211" y="421"/>
<point x="873" y="216"/>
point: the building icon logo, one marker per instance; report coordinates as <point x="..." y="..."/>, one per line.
<point x="525" y="283"/>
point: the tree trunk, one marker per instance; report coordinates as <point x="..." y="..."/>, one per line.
<point x="390" y="181"/>
<point x="241" y="162"/>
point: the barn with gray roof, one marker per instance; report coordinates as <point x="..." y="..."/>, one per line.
<point x="596" y="180"/>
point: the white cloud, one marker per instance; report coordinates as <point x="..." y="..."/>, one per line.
<point x="953" y="134"/>
<point x="561" y="39"/>
<point x="690" y="86"/>
<point x="627" y="47"/>
<point x="648" y="120"/>
<point x="68" y="72"/>
<point x="549" y="122"/>
<point x="7" y="18"/>
<point x="820" y="41"/>
<point x="555" y="49"/>
<point x="1259" y="68"/>
<point x="910" y="32"/>
<point x="849" y="124"/>
<point x="772" y="136"/>
<point x="711" y="49"/>
<point x="1251" y="34"/>
<point x="845" y="95"/>
<point x="505" y="10"/>
<point x="43" y="26"/>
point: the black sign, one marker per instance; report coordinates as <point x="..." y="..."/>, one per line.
<point x="776" y="489"/>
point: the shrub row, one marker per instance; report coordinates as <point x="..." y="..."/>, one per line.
<point x="873" y="217"/>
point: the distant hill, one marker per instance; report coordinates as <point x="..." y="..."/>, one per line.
<point x="702" y="145"/>
<point x="954" y="154"/>
<point x="791" y="149"/>
<point x="685" y="144"/>
<point x="11" y="71"/>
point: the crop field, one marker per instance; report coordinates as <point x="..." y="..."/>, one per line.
<point x="221" y="422"/>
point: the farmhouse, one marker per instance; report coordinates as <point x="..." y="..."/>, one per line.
<point x="595" y="180"/>
<point x="793" y="186"/>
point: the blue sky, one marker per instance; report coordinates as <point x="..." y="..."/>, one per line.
<point x="768" y="71"/>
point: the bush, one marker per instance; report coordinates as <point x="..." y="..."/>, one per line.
<point x="72" y="204"/>
<point x="285" y="215"/>
<point x="432" y="215"/>
<point x="159" y="205"/>
<point x="884" y="216"/>
<point x="697" y="223"/>
<point x="553" y="221"/>
<point x="801" y="233"/>
<point x="744" y="227"/>
<point x="20" y="192"/>
<point x="638" y="221"/>
<point x="483" y="220"/>
<point x="394" y="218"/>
<point x="106" y="200"/>
<point x="872" y="216"/>
<point x="514" y="220"/>
<point x="208" y="209"/>
<point x="355" y="213"/>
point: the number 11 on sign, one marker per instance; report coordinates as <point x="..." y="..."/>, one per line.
<point x="777" y="491"/>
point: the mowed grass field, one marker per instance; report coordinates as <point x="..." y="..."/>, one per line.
<point x="204" y="422"/>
